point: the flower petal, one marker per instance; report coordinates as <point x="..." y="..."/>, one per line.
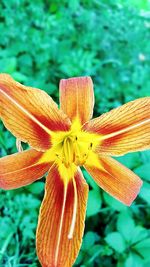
<point x="115" y="179"/>
<point x="29" y="113"/>
<point x="21" y="169"/>
<point x="61" y="220"/>
<point x="77" y="98"/>
<point x="124" y="129"/>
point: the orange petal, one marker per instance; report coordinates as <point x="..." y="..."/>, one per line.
<point x="77" y="98"/>
<point x="29" y="113"/>
<point x="21" y="169"/>
<point x="116" y="179"/>
<point x="124" y="129"/>
<point x="61" y="220"/>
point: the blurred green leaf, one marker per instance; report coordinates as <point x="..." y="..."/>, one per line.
<point x="138" y="234"/>
<point x="130" y="160"/>
<point x="89" y="240"/>
<point x="145" y="192"/>
<point x="113" y="203"/>
<point x="8" y="65"/>
<point x="90" y="180"/>
<point x="143" y="171"/>
<point x="133" y="260"/>
<point x="94" y="202"/>
<point x="125" y="225"/>
<point x="36" y="188"/>
<point x="116" y="241"/>
<point x="143" y="248"/>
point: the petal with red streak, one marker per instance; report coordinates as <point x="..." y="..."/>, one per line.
<point x="124" y="129"/>
<point x="54" y="248"/>
<point x="77" y="98"/>
<point x="29" y="113"/>
<point x="115" y="179"/>
<point x="21" y="169"/>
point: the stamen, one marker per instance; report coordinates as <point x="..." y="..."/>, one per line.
<point x="68" y="151"/>
<point x="18" y="145"/>
<point x="74" y="215"/>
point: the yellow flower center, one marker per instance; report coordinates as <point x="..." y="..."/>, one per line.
<point x="71" y="149"/>
<point x="74" y="150"/>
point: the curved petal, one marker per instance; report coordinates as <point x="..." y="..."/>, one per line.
<point x="21" y="169"/>
<point x="124" y="129"/>
<point x="115" y="179"/>
<point x="77" y="98"/>
<point x="61" y="220"/>
<point x="29" y="113"/>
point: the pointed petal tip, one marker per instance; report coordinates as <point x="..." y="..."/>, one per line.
<point x="124" y="129"/>
<point x="116" y="179"/>
<point x="130" y="201"/>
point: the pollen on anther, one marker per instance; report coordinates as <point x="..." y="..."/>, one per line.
<point x="91" y="145"/>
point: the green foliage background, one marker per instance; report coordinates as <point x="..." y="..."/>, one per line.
<point x="42" y="42"/>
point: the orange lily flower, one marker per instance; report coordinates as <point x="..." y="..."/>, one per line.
<point x="62" y="140"/>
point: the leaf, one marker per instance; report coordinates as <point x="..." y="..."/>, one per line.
<point x="125" y="225"/>
<point x="145" y="192"/>
<point x="133" y="260"/>
<point x="94" y="202"/>
<point x="19" y="77"/>
<point x="114" y="203"/>
<point x="8" y="65"/>
<point x="143" y="171"/>
<point x="89" y="240"/>
<point x="116" y="241"/>
<point x="90" y="180"/>
<point x="130" y="160"/>
<point x="138" y="234"/>
<point x="143" y="248"/>
<point x="36" y="188"/>
<point x="94" y="252"/>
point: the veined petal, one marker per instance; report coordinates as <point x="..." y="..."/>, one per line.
<point x="77" y="98"/>
<point x="115" y="179"/>
<point x="124" y="129"/>
<point x="61" y="220"/>
<point x="29" y="113"/>
<point x="21" y="169"/>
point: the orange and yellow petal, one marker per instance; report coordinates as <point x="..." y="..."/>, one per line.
<point x="124" y="129"/>
<point x="61" y="220"/>
<point x="21" y="169"/>
<point x="115" y="179"/>
<point x="29" y="113"/>
<point x="77" y="98"/>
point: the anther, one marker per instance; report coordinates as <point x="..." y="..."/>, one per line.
<point x="91" y="145"/>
